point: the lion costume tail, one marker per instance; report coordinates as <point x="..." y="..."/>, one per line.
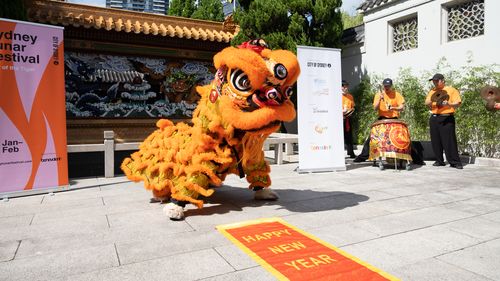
<point x="172" y="165"/>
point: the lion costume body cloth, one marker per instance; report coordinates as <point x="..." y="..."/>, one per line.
<point x="242" y="106"/>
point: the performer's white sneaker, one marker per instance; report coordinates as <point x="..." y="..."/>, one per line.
<point x="174" y="212"/>
<point x="265" y="194"/>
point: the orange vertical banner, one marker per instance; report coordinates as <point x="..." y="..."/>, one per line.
<point x="292" y="254"/>
<point x="33" y="152"/>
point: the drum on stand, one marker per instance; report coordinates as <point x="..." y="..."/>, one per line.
<point x="390" y="141"/>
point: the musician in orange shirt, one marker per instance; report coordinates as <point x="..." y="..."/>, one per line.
<point x="443" y="101"/>
<point x="388" y="103"/>
<point x="347" y="110"/>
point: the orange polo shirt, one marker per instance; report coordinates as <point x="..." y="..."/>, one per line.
<point x="444" y="109"/>
<point x="392" y="98"/>
<point x="347" y="101"/>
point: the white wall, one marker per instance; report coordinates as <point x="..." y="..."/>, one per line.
<point x="484" y="49"/>
<point x="352" y="63"/>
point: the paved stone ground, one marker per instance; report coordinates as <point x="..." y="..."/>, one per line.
<point x="431" y="223"/>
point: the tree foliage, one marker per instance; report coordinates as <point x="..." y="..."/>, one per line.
<point x="209" y="10"/>
<point x="189" y="8"/>
<point x="13" y="10"/>
<point x="175" y="8"/>
<point x="181" y="8"/>
<point x="284" y="24"/>
<point x="349" y="21"/>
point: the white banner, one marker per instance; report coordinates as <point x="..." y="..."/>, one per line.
<point x="319" y="99"/>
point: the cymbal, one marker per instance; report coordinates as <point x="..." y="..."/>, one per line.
<point x="490" y="105"/>
<point x="349" y="112"/>
<point x="490" y="93"/>
<point x="439" y="96"/>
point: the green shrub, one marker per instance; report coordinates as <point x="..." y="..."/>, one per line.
<point x="364" y="115"/>
<point x="15" y="10"/>
<point x="415" y="113"/>
<point x="478" y="130"/>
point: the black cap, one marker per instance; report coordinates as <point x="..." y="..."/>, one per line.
<point x="345" y="83"/>
<point x="387" y="82"/>
<point x="437" y="76"/>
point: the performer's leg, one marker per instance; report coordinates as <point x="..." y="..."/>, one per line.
<point x="449" y="138"/>
<point x="437" y="146"/>
<point x="348" y="140"/>
<point x="365" y="153"/>
<point x="350" y="147"/>
<point x="257" y="175"/>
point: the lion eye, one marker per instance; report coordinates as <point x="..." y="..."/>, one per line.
<point x="289" y="91"/>
<point x="272" y="95"/>
<point x="280" y="71"/>
<point x="240" y="80"/>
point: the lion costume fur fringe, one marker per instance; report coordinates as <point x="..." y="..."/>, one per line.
<point x="241" y="107"/>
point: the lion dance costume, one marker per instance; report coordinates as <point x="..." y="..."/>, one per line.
<point x="243" y="105"/>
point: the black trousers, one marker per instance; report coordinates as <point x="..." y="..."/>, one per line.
<point x="443" y="137"/>
<point x="348" y="137"/>
<point x="365" y="153"/>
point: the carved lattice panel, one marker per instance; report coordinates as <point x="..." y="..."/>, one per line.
<point x="405" y="35"/>
<point x="466" y="20"/>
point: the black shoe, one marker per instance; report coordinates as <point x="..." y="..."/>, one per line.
<point x="437" y="163"/>
<point x="358" y="160"/>
<point x="352" y="156"/>
<point x="457" y="166"/>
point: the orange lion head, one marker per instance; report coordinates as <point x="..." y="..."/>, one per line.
<point x="253" y="85"/>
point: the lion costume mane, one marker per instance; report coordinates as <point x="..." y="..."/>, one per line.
<point x="238" y="110"/>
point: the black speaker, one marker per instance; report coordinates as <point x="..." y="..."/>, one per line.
<point x="422" y="151"/>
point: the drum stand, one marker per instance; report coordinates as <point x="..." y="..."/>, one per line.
<point x="381" y="164"/>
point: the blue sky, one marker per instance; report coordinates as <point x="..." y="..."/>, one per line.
<point x="101" y="3"/>
<point x="347" y="5"/>
<point x="350" y="6"/>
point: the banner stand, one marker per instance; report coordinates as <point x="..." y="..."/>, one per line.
<point x="323" y="170"/>
<point x="33" y="150"/>
<point x="319" y="104"/>
<point x="13" y="194"/>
